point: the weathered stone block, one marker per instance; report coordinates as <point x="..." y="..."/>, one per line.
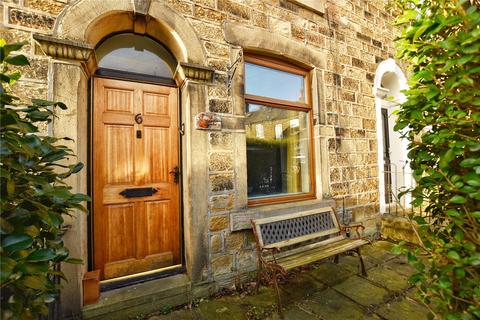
<point x="216" y="243"/>
<point x="220" y="161"/>
<point x="221" y="182"/>
<point x="246" y="260"/>
<point x="218" y="92"/>
<point x="219" y="64"/>
<point x="260" y="20"/>
<point x="335" y="175"/>
<point x="339" y="189"/>
<point x="222" y="265"/>
<point x="208" y="3"/>
<point x="318" y="40"/>
<point x="209" y="14"/>
<point x="221" y="140"/>
<point x="350" y="84"/>
<point x="234" y="241"/>
<point x="236" y="9"/>
<point x="362" y="146"/>
<point x="53" y="7"/>
<point x="298" y="32"/>
<point x="348" y="174"/>
<point x="280" y="26"/>
<point x="38" y="69"/>
<point x="30" y="19"/>
<point x="220" y="106"/>
<point x="358" y="63"/>
<point x="221" y="202"/>
<point x="217" y="49"/>
<point x="218" y="223"/>
<point x="348" y="96"/>
<point x="363" y="37"/>
<point x="377" y="43"/>
<point x="369" y="124"/>
<point x="207" y="31"/>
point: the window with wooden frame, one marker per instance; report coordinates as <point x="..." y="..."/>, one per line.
<point x="279" y="131"/>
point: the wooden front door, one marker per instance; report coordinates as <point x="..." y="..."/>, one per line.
<point x="136" y="224"/>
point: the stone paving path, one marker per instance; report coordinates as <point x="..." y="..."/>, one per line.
<point x="325" y="291"/>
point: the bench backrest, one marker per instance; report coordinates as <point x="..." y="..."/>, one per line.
<point x="285" y="230"/>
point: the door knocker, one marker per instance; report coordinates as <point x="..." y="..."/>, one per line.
<point x="138" y="118"/>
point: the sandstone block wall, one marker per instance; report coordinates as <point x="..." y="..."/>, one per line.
<point x="350" y="36"/>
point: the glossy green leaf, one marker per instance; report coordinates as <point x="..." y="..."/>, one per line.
<point x="458" y="199"/>
<point x="34" y="282"/>
<point x="453" y="255"/>
<point x="16" y="242"/>
<point x="41" y="255"/>
<point x="7" y="266"/>
<point x="18" y="60"/>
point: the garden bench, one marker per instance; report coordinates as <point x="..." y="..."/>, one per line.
<point x="292" y="240"/>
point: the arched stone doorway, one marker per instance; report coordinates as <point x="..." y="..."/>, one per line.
<point x="78" y="31"/>
<point x="394" y="172"/>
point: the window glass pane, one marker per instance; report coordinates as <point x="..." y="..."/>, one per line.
<point x="278" y="161"/>
<point x="272" y="83"/>
<point x="134" y="53"/>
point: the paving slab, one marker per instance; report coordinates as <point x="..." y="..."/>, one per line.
<point x="388" y="278"/>
<point x="331" y="305"/>
<point x="363" y="291"/>
<point x="353" y="263"/>
<point x="401" y="266"/>
<point x="300" y="286"/>
<point x="295" y="312"/>
<point x="378" y="251"/>
<point x="225" y="308"/>
<point x="178" y="315"/>
<point x="331" y="274"/>
<point x="403" y="309"/>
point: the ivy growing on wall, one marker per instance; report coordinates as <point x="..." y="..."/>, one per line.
<point x="441" y="120"/>
<point x="34" y="198"/>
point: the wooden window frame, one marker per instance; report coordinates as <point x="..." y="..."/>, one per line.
<point x="289" y="105"/>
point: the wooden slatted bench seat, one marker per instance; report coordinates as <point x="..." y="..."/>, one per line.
<point x="292" y="240"/>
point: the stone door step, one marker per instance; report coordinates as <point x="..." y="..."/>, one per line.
<point x="141" y="299"/>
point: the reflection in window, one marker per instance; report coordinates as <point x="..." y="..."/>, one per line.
<point x="278" y="161"/>
<point x="134" y="53"/>
<point x="273" y="83"/>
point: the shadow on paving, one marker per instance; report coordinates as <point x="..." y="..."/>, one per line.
<point x="325" y="291"/>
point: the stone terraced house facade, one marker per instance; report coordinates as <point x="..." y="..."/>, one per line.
<point x="258" y="108"/>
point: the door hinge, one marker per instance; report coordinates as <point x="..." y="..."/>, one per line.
<point x="176" y="174"/>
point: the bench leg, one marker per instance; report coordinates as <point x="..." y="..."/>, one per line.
<point x="335" y="259"/>
<point x="362" y="265"/>
<point x="279" y="299"/>
<point x="259" y="277"/>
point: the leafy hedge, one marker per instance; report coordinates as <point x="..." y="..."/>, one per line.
<point x="34" y="198"/>
<point x="441" y="119"/>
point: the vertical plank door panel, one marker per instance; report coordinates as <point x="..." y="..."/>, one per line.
<point x="134" y="235"/>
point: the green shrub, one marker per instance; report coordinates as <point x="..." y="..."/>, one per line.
<point x="441" y="43"/>
<point x="34" y="198"/>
